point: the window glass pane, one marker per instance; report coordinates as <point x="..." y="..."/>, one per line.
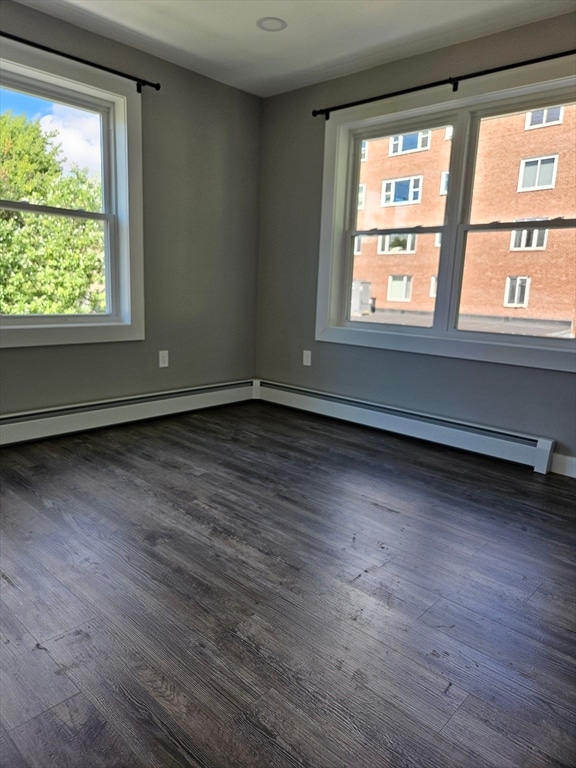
<point x="51" y="265"/>
<point x="402" y="185"/>
<point x="393" y="286"/>
<point x="50" y="153"/>
<point x="519" y="292"/>
<point x="553" y="114"/>
<point x="510" y="158"/>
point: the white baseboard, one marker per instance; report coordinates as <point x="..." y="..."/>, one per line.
<point x="24" y="427"/>
<point x="525" y="449"/>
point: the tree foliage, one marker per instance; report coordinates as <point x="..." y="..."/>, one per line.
<point x="49" y="264"/>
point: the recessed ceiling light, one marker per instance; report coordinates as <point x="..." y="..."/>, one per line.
<point x="271" y="24"/>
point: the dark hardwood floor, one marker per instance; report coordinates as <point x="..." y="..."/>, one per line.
<point x="250" y="586"/>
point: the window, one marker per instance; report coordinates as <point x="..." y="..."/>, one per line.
<point x="402" y="191"/>
<point x="516" y="294"/>
<point x="399" y="287"/>
<point x="71" y="224"/>
<point x="363" y="151"/>
<point x="444" y="182"/>
<point x="357" y="246"/>
<point x="448" y="133"/>
<point x="409" y="142"/>
<point x="361" y="196"/>
<point x="537" y="173"/>
<point x="477" y="222"/>
<point x="541" y="117"/>
<point x="528" y="239"/>
<point x="397" y="243"/>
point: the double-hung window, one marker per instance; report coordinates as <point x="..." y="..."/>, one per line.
<point x="71" y="261"/>
<point x="469" y="236"/>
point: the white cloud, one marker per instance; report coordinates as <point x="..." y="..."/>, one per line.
<point x="78" y="134"/>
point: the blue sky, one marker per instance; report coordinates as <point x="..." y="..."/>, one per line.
<point x="22" y="103"/>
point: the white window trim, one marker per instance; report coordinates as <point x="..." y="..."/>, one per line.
<point x="522" y="89"/>
<point x="406" y="286"/>
<point x="363" y="151"/>
<point x="539" y="186"/>
<point x="545" y="124"/>
<point x="411" y="179"/>
<point x="358" y="245"/>
<point x="421" y="134"/>
<point x="525" y="230"/>
<point x="361" y="196"/>
<point x="444" y="180"/>
<point x="507" y="291"/>
<point x="384" y="245"/>
<point x="433" y="286"/>
<point x="19" y="63"/>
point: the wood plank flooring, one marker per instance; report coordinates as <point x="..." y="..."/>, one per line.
<point x="255" y="587"/>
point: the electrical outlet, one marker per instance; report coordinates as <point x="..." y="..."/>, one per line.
<point x="163" y="358"/>
<point x="306" y="357"/>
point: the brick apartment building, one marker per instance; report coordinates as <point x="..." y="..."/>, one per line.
<point x="525" y="169"/>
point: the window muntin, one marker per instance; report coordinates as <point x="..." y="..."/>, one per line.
<point x="402" y="191"/>
<point x="85" y="105"/>
<point x="409" y="142"/>
<point x="397" y="243"/>
<point x="539" y="118"/>
<point x="537" y="173"/>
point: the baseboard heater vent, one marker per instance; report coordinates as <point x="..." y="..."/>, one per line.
<point x="18" y="428"/>
<point x="522" y="449"/>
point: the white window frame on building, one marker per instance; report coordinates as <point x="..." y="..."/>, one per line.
<point x="364" y="151"/>
<point x="433" y="286"/>
<point x="529" y="239"/>
<point x="361" y="196"/>
<point x="389" y="191"/>
<point x="396" y="143"/>
<point x="358" y="245"/>
<point x="405" y="283"/>
<point x="517" y="291"/>
<point x="49" y="76"/>
<point x="444" y="180"/>
<point x="546" y="117"/>
<point x="385" y="240"/>
<point x="523" y="187"/>
<point x="521" y="90"/>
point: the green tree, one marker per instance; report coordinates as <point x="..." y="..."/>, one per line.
<point x="49" y="264"/>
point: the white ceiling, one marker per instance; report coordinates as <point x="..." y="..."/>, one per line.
<point x="324" y="38"/>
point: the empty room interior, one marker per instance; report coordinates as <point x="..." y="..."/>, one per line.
<point x="288" y="384"/>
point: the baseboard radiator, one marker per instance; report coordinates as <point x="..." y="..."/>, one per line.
<point x="36" y="425"/>
<point x="523" y="449"/>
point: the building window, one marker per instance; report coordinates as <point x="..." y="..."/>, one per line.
<point x="409" y="142"/>
<point x="537" y="173"/>
<point x="476" y="223"/>
<point x="70" y="212"/>
<point x="397" y="243"/>
<point x="357" y="246"/>
<point x="402" y="191"/>
<point x="516" y="292"/>
<point x="433" y="286"/>
<point x="361" y="196"/>
<point x="530" y="239"/>
<point x="399" y="287"/>
<point x="444" y="182"/>
<point x="448" y="133"/>
<point x="363" y="151"/>
<point x="542" y="117"/>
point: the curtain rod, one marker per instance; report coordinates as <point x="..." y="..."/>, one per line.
<point x="140" y="82"/>
<point x="453" y="81"/>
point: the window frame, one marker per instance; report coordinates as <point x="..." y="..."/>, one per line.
<point x="70" y="82"/>
<point x="516" y="303"/>
<point x="544" y="84"/>
<point x="383" y="244"/>
<point x="545" y="123"/>
<point x="524" y="237"/>
<point x="422" y="136"/>
<point x="406" y="288"/>
<point x="538" y="159"/>
<point x="411" y="189"/>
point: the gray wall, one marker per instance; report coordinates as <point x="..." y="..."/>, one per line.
<point x="201" y="175"/>
<point x="521" y="399"/>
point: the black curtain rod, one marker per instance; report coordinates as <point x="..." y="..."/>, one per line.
<point x="453" y="81"/>
<point x="140" y="82"/>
